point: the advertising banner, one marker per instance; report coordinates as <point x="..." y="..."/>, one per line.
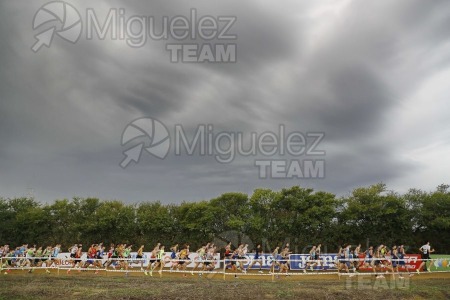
<point x="193" y="257"/>
<point x="325" y="261"/>
<point x="410" y="262"/>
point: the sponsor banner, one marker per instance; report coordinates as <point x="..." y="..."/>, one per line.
<point x="325" y="261"/>
<point x="136" y="263"/>
<point x="442" y="262"/>
<point x="193" y="258"/>
<point x="264" y="259"/>
<point x="296" y="261"/>
<point x="410" y="262"/>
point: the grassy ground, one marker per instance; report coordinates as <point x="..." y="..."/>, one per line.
<point x="21" y="285"/>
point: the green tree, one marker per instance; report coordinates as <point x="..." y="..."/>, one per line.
<point x="155" y="223"/>
<point x="435" y="219"/>
<point x="378" y="215"/>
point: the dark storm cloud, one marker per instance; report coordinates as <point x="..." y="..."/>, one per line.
<point x="356" y="76"/>
<point x="339" y="67"/>
<point x="359" y="97"/>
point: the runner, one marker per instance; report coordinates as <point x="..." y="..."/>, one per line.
<point x="112" y="257"/>
<point x="228" y="251"/>
<point x="227" y="255"/>
<point x="159" y="260"/>
<point x="37" y="253"/>
<point x="357" y="262"/>
<point x="126" y="254"/>
<point x="9" y="261"/>
<point x="284" y="258"/>
<point x="368" y="259"/>
<point x="201" y="257"/>
<point x="344" y="260"/>
<point x="183" y="259"/>
<point x="388" y="261"/>
<point x="55" y="253"/>
<point x="340" y="260"/>
<point x="209" y="264"/>
<point x="100" y="252"/>
<point x="30" y="261"/>
<point x="174" y="257"/>
<point x="121" y="262"/>
<point x="425" y="250"/>
<point x="233" y="261"/>
<point x="140" y="256"/>
<point x="312" y="259"/>
<point x="91" y="254"/>
<point x="46" y="258"/>
<point x="319" y="258"/>
<point x="257" y="259"/>
<point x="76" y="262"/>
<point x="152" y="260"/>
<point x="73" y="252"/>
<point x="243" y="257"/>
<point x="78" y="256"/>
<point x="395" y="261"/>
<point x="288" y="252"/>
<point x="275" y="260"/>
<point x="402" y="262"/>
<point x="377" y="261"/>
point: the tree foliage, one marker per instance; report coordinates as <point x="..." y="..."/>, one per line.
<point x="302" y="216"/>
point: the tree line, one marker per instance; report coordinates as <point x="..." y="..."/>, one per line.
<point x="301" y="216"/>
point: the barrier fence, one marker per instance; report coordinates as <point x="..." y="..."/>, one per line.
<point x="265" y="266"/>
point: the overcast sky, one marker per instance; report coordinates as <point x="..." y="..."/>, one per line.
<point x="373" y="76"/>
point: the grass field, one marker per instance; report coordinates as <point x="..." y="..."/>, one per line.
<point x="85" y="285"/>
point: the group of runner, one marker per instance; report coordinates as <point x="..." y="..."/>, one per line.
<point x="380" y="259"/>
<point x="33" y="256"/>
<point x="118" y="256"/>
<point x="349" y="260"/>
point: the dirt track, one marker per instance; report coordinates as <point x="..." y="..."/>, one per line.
<point x="19" y="284"/>
<point x="252" y="275"/>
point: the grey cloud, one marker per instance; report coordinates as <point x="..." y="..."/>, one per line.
<point x="63" y="110"/>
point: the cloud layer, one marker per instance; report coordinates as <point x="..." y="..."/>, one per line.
<point x="373" y="76"/>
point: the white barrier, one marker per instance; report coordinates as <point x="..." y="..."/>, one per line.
<point x="64" y="262"/>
